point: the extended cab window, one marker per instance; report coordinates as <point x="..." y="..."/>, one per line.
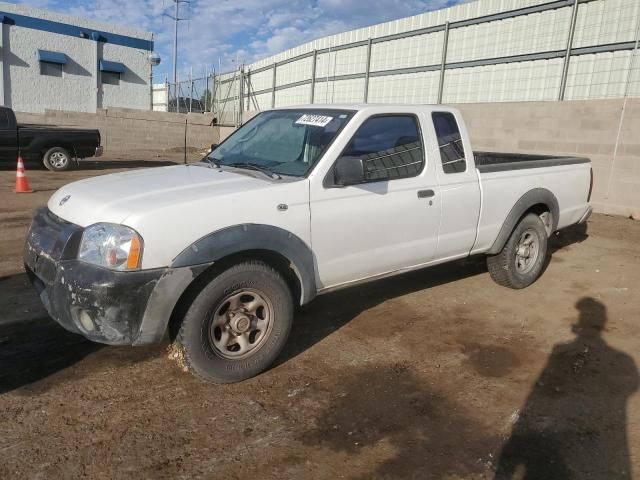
<point x="450" y="142"/>
<point x="390" y="147"/>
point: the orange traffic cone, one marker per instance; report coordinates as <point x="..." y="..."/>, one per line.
<point x="22" y="184"/>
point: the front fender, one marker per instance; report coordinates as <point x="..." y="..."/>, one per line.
<point x="249" y="236"/>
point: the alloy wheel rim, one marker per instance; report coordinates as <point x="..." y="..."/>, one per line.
<point x="58" y="159"/>
<point x="527" y="251"/>
<point x="240" y="324"/>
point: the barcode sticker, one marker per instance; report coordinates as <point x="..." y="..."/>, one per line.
<point x="314" y="120"/>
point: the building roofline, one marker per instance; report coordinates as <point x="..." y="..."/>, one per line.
<point x="54" y="22"/>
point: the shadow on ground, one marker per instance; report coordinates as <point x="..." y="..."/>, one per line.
<point x="330" y="312"/>
<point x="568" y="236"/>
<point x="415" y="431"/>
<point x="32" y="346"/>
<point x="574" y="422"/>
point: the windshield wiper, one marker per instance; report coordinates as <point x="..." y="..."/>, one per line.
<point x="254" y="166"/>
<point x="212" y="162"/>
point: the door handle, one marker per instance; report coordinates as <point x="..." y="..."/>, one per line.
<point x="425" y="193"/>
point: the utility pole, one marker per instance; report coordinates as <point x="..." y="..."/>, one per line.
<point x="176" y="18"/>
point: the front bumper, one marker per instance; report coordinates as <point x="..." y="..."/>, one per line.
<point x="106" y="306"/>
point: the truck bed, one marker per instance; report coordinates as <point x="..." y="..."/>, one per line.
<point x="487" y="162"/>
<point x="506" y="177"/>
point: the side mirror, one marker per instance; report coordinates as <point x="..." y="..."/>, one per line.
<point x="349" y="171"/>
<point x="214" y="146"/>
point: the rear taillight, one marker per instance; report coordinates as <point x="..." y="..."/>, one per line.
<point x="590" y="184"/>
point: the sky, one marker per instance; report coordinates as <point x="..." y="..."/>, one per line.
<point x="223" y="32"/>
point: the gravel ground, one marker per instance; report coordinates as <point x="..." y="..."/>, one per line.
<point x="434" y="374"/>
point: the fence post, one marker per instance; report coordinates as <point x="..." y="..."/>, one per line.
<point x="215" y="91"/>
<point x="567" y="55"/>
<point x="443" y="66"/>
<point x="314" y="61"/>
<point x="273" y="87"/>
<point x="207" y="93"/>
<point x="240" y="98"/>
<point x="191" y="90"/>
<point x="186" y="126"/>
<point x="248" y="79"/>
<point x="367" y="72"/>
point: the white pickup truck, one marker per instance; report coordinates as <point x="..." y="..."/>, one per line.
<point x="297" y="202"/>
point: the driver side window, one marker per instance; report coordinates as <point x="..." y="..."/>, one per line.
<point x="390" y="147"/>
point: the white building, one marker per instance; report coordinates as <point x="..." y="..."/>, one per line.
<point x="53" y="61"/>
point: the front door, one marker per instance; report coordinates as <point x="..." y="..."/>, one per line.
<point x="387" y="223"/>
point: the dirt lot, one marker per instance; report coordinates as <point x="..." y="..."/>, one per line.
<point x="435" y="374"/>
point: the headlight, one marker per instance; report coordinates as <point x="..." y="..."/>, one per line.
<point x="112" y="246"/>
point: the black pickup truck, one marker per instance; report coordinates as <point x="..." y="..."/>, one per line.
<point x="56" y="147"/>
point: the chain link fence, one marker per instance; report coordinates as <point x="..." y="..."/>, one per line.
<point x="195" y="95"/>
<point x="207" y="94"/>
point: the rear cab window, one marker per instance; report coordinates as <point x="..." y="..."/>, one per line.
<point x="390" y="147"/>
<point x="449" y="142"/>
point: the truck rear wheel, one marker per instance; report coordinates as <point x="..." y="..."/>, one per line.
<point x="521" y="260"/>
<point x="238" y="324"/>
<point x="57" y="159"/>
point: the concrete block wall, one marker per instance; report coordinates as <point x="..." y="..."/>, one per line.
<point x="598" y="129"/>
<point x="127" y="131"/>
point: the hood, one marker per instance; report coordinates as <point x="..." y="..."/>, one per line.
<point x="113" y="198"/>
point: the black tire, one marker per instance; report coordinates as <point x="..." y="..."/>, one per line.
<point x="57" y="159"/>
<point x="198" y="332"/>
<point x="509" y="269"/>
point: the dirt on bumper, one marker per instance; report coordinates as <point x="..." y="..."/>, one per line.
<point x="103" y="305"/>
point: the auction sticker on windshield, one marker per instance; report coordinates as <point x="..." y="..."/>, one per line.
<point x="314" y="120"/>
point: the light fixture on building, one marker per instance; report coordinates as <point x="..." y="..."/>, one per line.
<point x="154" y="59"/>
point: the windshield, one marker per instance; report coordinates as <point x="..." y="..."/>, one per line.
<point x="285" y="142"/>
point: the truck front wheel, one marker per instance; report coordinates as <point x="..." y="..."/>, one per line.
<point x="238" y="324"/>
<point x="57" y="159"/>
<point x="521" y="260"/>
